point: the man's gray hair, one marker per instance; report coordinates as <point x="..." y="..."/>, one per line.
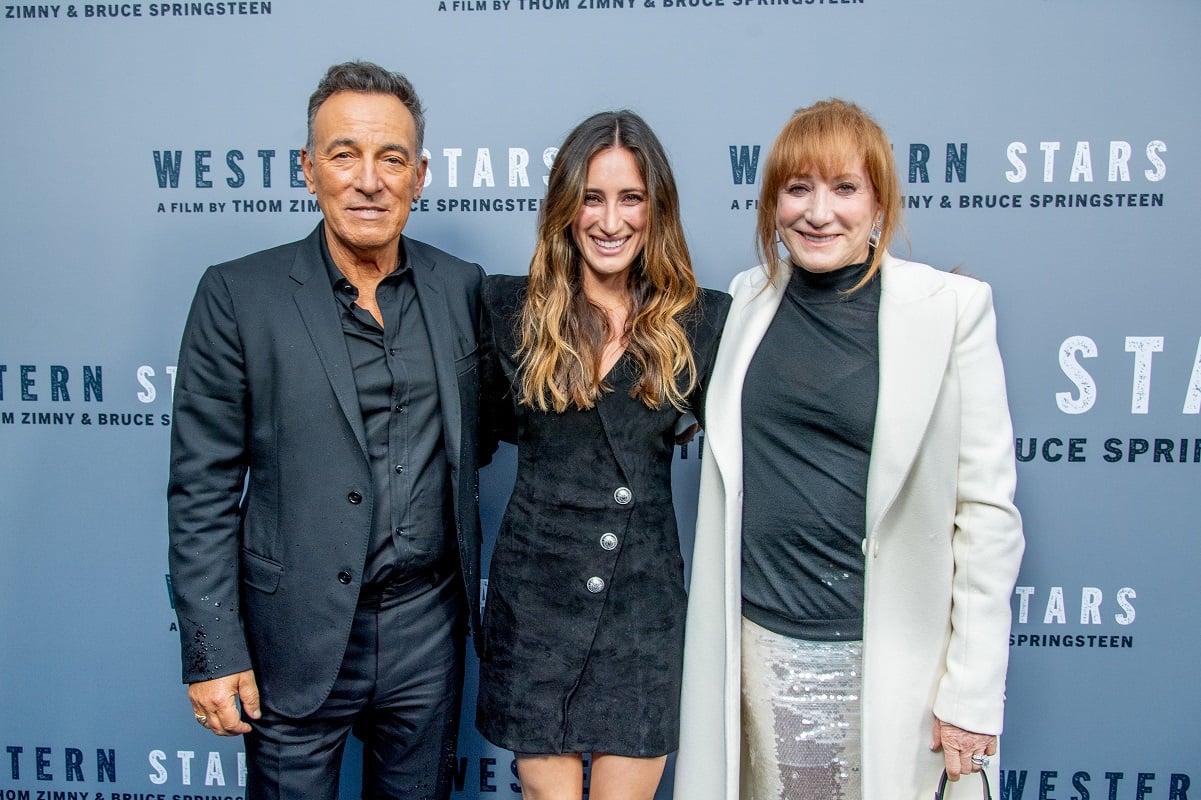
<point x="368" y="78"/>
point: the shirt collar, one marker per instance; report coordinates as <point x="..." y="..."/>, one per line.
<point x="339" y="281"/>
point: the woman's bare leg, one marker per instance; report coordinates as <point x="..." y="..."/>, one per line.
<point x="624" y="778"/>
<point x="551" y="777"/>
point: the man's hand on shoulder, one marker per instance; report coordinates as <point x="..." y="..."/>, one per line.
<point x="215" y="703"/>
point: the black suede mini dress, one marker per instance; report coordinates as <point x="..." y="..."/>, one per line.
<point x="584" y="618"/>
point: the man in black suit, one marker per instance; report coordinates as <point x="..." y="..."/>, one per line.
<point x="324" y="529"/>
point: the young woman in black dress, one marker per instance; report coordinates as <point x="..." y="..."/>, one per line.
<point x="595" y="359"/>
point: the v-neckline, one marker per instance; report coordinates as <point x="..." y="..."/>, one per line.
<point x="613" y="368"/>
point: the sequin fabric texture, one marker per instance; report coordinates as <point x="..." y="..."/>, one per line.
<point x="800" y="717"/>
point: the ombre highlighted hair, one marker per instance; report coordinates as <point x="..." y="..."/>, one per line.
<point x="562" y="334"/>
<point x="826" y="139"/>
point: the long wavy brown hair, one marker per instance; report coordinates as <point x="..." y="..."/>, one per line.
<point x="826" y="138"/>
<point x="562" y="333"/>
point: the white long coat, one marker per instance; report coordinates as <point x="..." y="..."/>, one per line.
<point x="943" y="545"/>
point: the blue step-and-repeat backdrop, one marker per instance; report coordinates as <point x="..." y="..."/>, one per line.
<point x="1049" y="147"/>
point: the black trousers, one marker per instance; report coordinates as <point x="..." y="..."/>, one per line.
<point x="398" y="689"/>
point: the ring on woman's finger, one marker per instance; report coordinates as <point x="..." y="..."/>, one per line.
<point x="201" y="718"/>
<point x="980" y="760"/>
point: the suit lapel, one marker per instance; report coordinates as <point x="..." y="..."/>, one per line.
<point x="319" y="310"/>
<point x="917" y="325"/>
<point x="750" y="315"/>
<point x="439" y="325"/>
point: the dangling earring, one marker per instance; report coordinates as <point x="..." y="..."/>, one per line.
<point x="873" y="238"/>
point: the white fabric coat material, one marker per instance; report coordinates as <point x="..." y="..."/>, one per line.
<point x="943" y="545"/>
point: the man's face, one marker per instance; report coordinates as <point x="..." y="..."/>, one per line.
<point x="365" y="170"/>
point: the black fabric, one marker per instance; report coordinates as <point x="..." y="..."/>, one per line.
<point x="270" y="496"/>
<point x="398" y="689"/>
<point x="565" y="669"/>
<point x="397" y="388"/>
<point x="808" y="414"/>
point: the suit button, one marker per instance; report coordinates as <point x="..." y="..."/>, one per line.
<point x="344" y="577"/>
<point x="595" y="585"/>
<point x="622" y="495"/>
<point x="354" y="498"/>
<point x="608" y="541"/>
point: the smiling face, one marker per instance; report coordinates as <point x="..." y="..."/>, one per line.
<point x="366" y="171"/>
<point x="610" y="227"/>
<point x="825" y="221"/>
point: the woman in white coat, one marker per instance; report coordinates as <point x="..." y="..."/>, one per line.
<point x="857" y="543"/>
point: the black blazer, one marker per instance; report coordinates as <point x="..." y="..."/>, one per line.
<point x="270" y="496"/>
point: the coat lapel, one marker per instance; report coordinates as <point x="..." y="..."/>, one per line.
<point x="917" y="328"/>
<point x="439" y="326"/>
<point x="751" y="313"/>
<point x="319" y="310"/>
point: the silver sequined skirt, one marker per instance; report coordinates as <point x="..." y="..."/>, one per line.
<point x="800" y="717"/>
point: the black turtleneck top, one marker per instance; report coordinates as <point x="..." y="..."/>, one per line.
<point x="808" y="414"/>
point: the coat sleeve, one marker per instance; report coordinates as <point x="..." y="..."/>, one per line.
<point x="493" y="423"/>
<point x="208" y="470"/>
<point x="987" y="541"/>
<point x="716" y="305"/>
<point x="498" y="417"/>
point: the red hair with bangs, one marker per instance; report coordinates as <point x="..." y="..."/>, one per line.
<point x="827" y="138"/>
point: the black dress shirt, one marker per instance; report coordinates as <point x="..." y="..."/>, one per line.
<point x="412" y="519"/>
